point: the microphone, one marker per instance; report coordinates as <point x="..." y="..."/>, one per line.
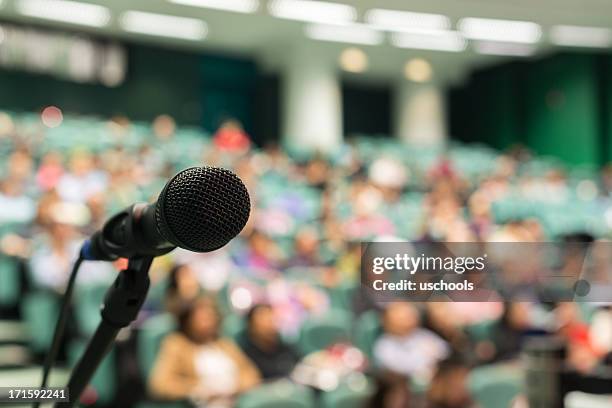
<point x="200" y="209"/>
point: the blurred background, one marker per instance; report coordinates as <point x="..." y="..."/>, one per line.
<point x="447" y="120"/>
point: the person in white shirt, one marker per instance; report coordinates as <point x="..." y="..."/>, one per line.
<point x="405" y="347"/>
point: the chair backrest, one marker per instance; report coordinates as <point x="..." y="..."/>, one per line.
<point x="281" y="394"/>
<point x="40" y="311"/>
<point x="89" y="299"/>
<point x="495" y="386"/>
<point x="367" y="330"/>
<point x="10" y="281"/>
<point x="319" y="332"/>
<point x="353" y="393"/>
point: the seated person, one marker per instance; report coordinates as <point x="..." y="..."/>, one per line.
<point x="405" y="347"/>
<point x="263" y="345"/>
<point x="195" y="363"/>
<point x="510" y="332"/>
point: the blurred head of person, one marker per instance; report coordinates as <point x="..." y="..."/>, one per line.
<point x="449" y="385"/>
<point x="11" y="187"/>
<point x="516" y="316"/>
<point x="183" y="287"/>
<point x="119" y="125"/>
<point x="400" y="319"/>
<point x="164" y="127"/>
<point x="200" y="320"/>
<point x="50" y="170"/>
<point x="20" y="165"/>
<point x="262" y="328"/>
<point x="306" y="246"/>
<point x="231" y="137"/>
<point x="263" y="251"/>
<point x="317" y="173"/>
<point x="81" y="163"/>
<point x="6" y="125"/>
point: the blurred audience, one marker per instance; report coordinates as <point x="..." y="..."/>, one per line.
<point x="299" y="255"/>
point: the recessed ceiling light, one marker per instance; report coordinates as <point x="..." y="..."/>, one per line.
<point x="500" y="30"/>
<point x="501" y="48"/>
<point x="72" y="12"/>
<point x="353" y="60"/>
<point x="395" y="20"/>
<point x="313" y="11"/>
<point x="418" y="70"/>
<point x="354" y="33"/>
<point x="435" y="40"/>
<point x="163" y="25"/>
<point x="581" y="36"/>
<point x="239" y="6"/>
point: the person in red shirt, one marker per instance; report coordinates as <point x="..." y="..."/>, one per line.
<point x="231" y="137"/>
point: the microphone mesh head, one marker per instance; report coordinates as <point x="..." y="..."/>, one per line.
<point x="202" y="208"/>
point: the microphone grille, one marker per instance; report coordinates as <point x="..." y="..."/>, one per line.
<point x="202" y="208"/>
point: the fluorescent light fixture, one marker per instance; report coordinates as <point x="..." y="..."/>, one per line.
<point x="581" y="36"/>
<point x="239" y="6"/>
<point x="500" y="30"/>
<point x="354" y="33"/>
<point x="451" y="41"/>
<point x="163" y="25"/>
<point x="504" y="48"/>
<point x="72" y="12"/>
<point x="323" y="12"/>
<point x="395" y="20"/>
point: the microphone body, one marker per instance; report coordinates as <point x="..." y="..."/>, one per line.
<point x="200" y="209"/>
<point x="130" y="233"/>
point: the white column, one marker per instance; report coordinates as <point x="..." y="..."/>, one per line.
<point x="312" y="111"/>
<point x="420" y="113"/>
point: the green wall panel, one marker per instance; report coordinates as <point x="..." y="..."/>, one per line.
<point x="561" y="108"/>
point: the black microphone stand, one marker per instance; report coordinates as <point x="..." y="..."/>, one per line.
<point x="121" y="306"/>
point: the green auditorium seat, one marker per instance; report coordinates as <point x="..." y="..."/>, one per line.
<point x="89" y="300"/>
<point x="321" y="331"/>
<point x="341" y="295"/>
<point x="150" y="336"/>
<point x="353" y="393"/>
<point x="233" y="326"/>
<point x="104" y="381"/>
<point x="367" y="330"/>
<point x="495" y="386"/>
<point x="40" y="311"/>
<point x="480" y="331"/>
<point x="282" y="394"/>
<point x="10" y="281"/>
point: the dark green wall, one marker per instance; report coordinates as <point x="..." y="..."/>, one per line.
<point x="561" y="108"/>
<point x="146" y="92"/>
<point x="195" y="89"/>
<point x="554" y="105"/>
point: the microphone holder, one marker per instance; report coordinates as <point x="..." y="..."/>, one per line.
<point x="122" y="303"/>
